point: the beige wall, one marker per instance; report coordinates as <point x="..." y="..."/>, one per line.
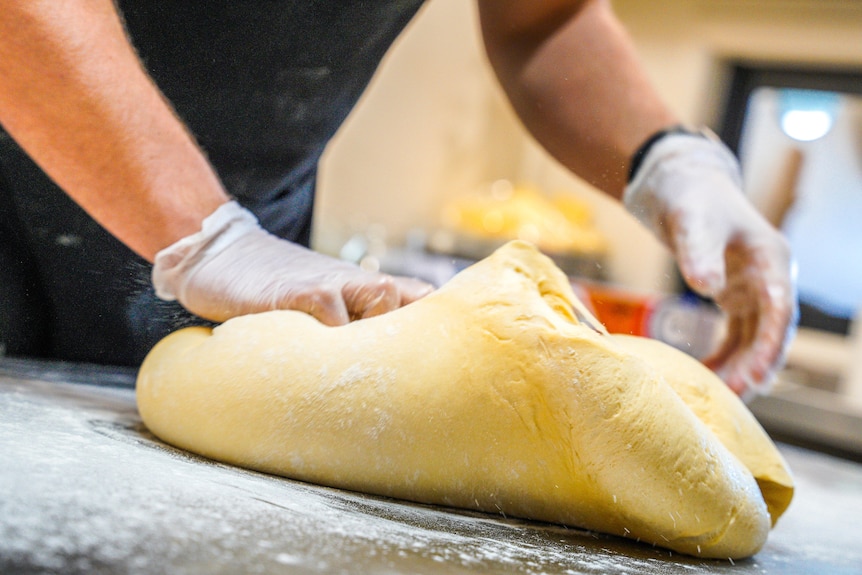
<point x="434" y="123"/>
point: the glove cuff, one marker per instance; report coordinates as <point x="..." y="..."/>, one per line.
<point x="218" y="230"/>
<point x="643" y="150"/>
<point x="668" y="156"/>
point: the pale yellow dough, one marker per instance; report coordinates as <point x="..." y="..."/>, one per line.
<point x="488" y="394"/>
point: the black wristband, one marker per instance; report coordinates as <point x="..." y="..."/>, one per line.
<point x="641" y="152"/>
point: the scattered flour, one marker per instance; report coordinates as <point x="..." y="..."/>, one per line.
<point x="84" y="488"/>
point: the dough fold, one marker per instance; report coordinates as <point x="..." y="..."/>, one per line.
<point x="489" y="394"/>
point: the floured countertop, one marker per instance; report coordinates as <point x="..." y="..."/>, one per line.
<point x="84" y="488"/>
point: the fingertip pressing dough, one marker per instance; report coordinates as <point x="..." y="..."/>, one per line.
<point x="489" y="394"/>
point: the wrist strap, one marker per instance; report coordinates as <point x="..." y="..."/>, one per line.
<point x="643" y="150"/>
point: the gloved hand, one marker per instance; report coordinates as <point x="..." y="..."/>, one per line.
<point x="234" y="267"/>
<point x="688" y="191"/>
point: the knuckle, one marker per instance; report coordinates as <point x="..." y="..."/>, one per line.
<point x="376" y="295"/>
<point x="324" y="297"/>
<point x="310" y="299"/>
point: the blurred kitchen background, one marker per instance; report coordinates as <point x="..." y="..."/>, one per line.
<point x="433" y="170"/>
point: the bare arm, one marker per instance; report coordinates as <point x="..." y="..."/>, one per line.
<point x="573" y="77"/>
<point x="74" y="95"/>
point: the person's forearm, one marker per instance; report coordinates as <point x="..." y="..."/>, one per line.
<point x="74" y="95"/>
<point x="571" y="73"/>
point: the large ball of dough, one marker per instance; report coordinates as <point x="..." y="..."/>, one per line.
<point x="488" y="394"/>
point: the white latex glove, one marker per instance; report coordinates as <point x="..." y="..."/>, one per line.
<point x="234" y="267"/>
<point x="688" y="191"/>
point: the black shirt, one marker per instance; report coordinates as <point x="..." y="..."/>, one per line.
<point x="264" y="85"/>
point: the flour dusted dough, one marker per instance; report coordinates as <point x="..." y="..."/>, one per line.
<point x="488" y="394"/>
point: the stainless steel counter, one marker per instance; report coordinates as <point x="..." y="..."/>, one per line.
<point x="84" y="488"/>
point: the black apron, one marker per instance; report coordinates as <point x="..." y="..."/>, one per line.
<point x="263" y="86"/>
